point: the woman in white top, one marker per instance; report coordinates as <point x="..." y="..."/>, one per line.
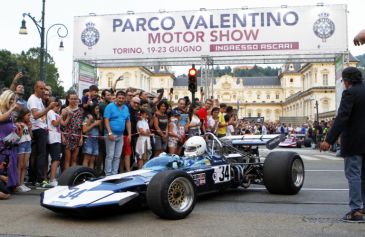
<point x="195" y="125"/>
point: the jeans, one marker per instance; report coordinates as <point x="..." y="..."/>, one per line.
<point x="113" y="153"/>
<point x="355" y="175"/>
<point x="40" y="138"/>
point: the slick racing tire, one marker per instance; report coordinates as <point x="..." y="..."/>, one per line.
<point x="171" y="194"/>
<point x="307" y="142"/>
<point x="76" y="175"/>
<point x="283" y="172"/>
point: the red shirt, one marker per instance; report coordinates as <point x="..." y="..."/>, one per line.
<point x="203" y="115"/>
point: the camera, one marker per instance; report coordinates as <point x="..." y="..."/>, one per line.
<point x="160" y="91"/>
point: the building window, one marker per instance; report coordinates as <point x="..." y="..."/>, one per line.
<point x="110" y="79"/>
<point x="277" y="96"/>
<point x="291" y="80"/>
<point x="258" y="96"/>
<point x="249" y="114"/>
<point x="258" y="114"/>
<point x="161" y="68"/>
<point x="325" y="79"/>
<point x="268" y="96"/>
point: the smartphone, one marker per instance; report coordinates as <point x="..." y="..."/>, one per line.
<point x="171" y="90"/>
<point x="201" y="89"/>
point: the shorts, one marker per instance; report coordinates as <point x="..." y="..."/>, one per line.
<point x="55" y="151"/>
<point x="159" y="143"/>
<point x="91" y="146"/>
<point x="127" y="148"/>
<point x="172" y="142"/>
<point x="24" y="148"/>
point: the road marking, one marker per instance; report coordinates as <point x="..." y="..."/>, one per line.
<point x="324" y="171"/>
<point x="328" y="157"/>
<point x="305" y="157"/>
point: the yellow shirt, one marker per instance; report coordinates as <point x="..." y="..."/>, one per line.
<point x="221" y="120"/>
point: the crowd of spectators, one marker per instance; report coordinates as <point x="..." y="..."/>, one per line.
<point x="113" y="132"/>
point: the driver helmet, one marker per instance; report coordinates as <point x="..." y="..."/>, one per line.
<point x="195" y="146"/>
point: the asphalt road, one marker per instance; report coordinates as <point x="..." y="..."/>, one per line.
<point x="315" y="211"/>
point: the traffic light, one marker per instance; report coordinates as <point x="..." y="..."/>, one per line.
<point x="192" y="79"/>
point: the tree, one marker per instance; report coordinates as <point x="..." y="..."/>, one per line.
<point x="28" y="63"/>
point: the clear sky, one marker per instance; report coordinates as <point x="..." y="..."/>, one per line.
<point x="63" y="11"/>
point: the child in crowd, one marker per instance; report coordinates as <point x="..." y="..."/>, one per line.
<point x="54" y="122"/>
<point x="143" y="146"/>
<point x="91" y="127"/>
<point x="24" y="148"/>
<point x="174" y="132"/>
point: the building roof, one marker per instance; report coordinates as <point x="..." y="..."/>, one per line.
<point x="260" y="81"/>
<point x="182" y="80"/>
<point x="286" y="68"/>
<point x="352" y="58"/>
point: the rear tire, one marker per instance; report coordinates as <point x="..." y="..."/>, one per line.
<point x="299" y="144"/>
<point x="76" y="175"/>
<point x="283" y="172"/>
<point x="307" y="142"/>
<point x="171" y="194"/>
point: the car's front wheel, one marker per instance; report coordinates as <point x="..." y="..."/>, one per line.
<point x="76" y="175"/>
<point x="171" y="194"/>
<point x="283" y="172"/>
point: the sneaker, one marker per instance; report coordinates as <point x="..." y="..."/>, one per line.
<point x="26" y="188"/>
<point x="22" y="189"/>
<point x="53" y="183"/>
<point x="353" y="216"/>
<point x="45" y="184"/>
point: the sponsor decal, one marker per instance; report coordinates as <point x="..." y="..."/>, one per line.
<point x="199" y="179"/>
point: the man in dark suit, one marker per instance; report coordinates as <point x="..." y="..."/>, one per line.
<point x="349" y="123"/>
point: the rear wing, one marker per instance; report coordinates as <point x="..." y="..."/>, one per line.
<point x="270" y="141"/>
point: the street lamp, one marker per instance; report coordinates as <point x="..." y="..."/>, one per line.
<point x="311" y="98"/>
<point x="41" y="30"/>
<point x="317" y="111"/>
<point x="61" y="47"/>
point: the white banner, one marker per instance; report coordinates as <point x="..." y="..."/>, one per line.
<point x="229" y="32"/>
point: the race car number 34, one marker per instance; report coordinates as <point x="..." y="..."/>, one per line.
<point x="221" y="174"/>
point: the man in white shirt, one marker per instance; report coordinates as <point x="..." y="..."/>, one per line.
<point x="39" y="129"/>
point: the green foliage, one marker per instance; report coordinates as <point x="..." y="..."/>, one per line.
<point x="28" y="63"/>
<point x="255" y="71"/>
<point x="362" y="60"/>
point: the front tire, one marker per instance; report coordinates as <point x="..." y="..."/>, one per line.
<point x="171" y="194"/>
<point x="76" y="175"/>
<point x="283" y="172"/>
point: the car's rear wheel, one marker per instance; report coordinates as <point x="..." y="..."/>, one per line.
<point x="171" y="194"/>
<point x="283" y="172"/>
<point x="307" y="142"/>
<point x="76" y="175"/>
<point x="299" y="144"/>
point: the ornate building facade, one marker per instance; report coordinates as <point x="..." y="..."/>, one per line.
<point x="293" y="93"/>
